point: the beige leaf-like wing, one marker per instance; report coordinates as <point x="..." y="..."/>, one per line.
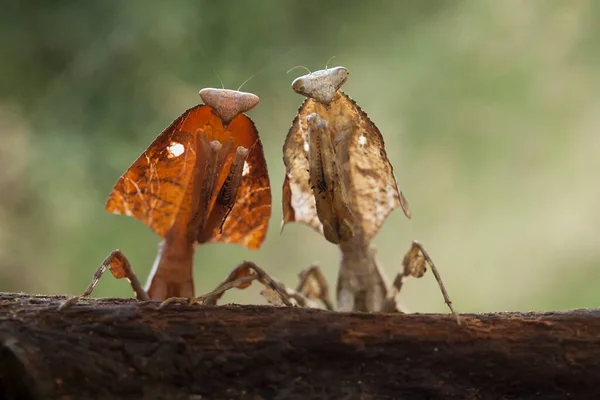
<point x="298" y="198"/>
<point x="373" y="190"/>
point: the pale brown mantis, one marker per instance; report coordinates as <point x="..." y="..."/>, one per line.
<point x="340" y="182"/>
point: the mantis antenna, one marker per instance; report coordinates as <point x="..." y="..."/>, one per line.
<point x="298" y="66"/>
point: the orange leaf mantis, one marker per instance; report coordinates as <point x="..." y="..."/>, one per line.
<point x="203" y="179"/>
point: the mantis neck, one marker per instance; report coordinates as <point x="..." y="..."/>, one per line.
<point x="172" y="271"/>
<point x="362" y="285"/>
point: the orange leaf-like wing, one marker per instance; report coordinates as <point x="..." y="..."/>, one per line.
<point x="153" y="187"/>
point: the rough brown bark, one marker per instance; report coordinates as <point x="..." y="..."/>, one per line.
<point x="110" y="349"/>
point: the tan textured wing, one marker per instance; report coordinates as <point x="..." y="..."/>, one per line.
<point x="153" y="187"/>
<point x="373" y="191"/>
<point x="248" y="221"/>
<point x="298" y="198"/>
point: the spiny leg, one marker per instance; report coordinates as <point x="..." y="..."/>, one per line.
<point x="313" y="285"/>
<point x="263" y="278"/>
<point x="120" y="268"/>
<point x="226" y="198"/>
<point x="214" y="155"/>
<point x="338" y="148"/>
<point x="321" y="169"/>
<point x="438" y="278"/>
<point x="326" y="181"/>
<point x="414" y="265"/>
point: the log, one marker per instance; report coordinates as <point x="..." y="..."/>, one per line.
<point x="116" y="348"/>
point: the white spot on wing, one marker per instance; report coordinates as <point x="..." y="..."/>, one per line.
<point x="362" y="140"/>
<point x="246" y="170"/>
<point x="306" y="146"/>
<point x="175" y="149"/>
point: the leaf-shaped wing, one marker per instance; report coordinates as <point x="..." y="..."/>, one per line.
<point x="373" y="191"/>
<point x="153" y="187"/>
<point x="298" y="198"/>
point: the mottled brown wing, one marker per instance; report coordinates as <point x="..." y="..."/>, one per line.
<point x="248" y="221"/>
<point x="298" y="198"/>
<point x="153" y="187"/>
<point x="373" y="190"/>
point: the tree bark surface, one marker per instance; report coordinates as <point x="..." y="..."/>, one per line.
<point x="115" y="348"/>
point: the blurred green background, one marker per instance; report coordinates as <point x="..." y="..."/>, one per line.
<point x="489" y="109"/>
